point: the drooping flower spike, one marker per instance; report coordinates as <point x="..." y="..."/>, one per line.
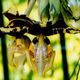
<point x="40" y="54"/>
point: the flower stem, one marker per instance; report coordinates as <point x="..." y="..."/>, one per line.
<point x="30" y="6"/>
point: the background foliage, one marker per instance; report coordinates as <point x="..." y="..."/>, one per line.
<point x="56" y="72"/>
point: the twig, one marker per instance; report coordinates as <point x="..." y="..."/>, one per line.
<point x="30" y="6"/>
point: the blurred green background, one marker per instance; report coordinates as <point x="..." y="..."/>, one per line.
<point x="56" y="72"/>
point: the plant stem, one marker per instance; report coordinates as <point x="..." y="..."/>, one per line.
<point x="64" y="58"/>
<point x="30" y="6"/>
<point x="4" y="47"/>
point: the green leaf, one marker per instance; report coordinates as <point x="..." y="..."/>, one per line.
<point x="49" y="10"/>
<point x="71" y="13"/>
<point x="21" y="1"/>
<point x="43" y="10"/>
<point x="54" y="9"/>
